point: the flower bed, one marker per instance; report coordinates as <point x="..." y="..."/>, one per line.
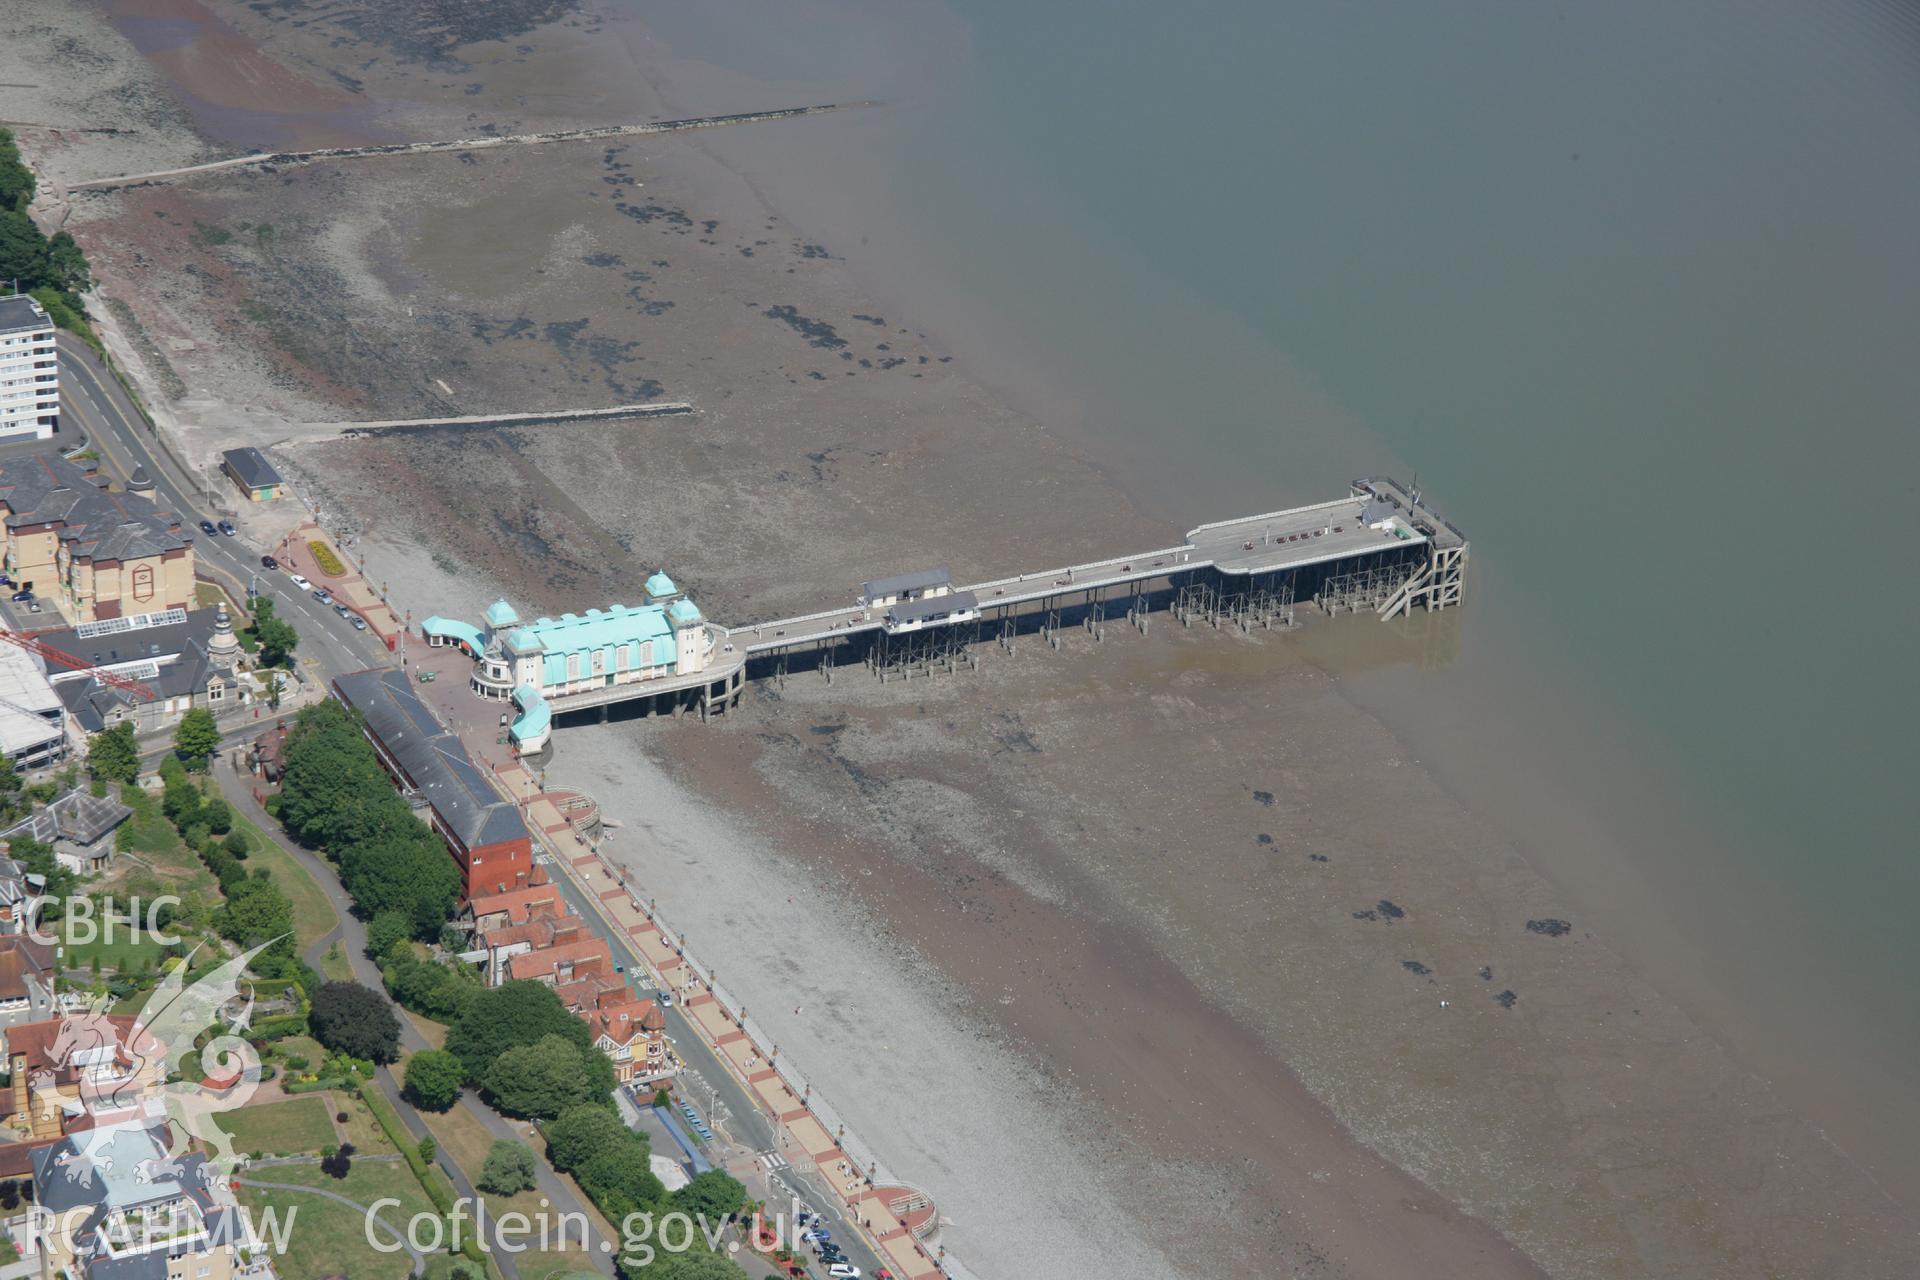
<point x="325" y="558"/>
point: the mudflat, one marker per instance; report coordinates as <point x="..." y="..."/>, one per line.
<point x="1144" y="955"/>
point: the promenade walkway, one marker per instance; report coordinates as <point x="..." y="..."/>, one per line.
<point x="894" y="1217"/>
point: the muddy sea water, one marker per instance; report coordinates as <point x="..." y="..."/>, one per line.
<point x="1634" y="287"/>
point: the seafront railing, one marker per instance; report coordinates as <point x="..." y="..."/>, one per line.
<point x="866" y="1162"/>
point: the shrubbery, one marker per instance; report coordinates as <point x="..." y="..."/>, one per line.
<point x="335" y="797"/>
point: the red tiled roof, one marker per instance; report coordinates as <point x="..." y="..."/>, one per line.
<point x="36" y="1040"/>
<point x="21" y="957"/>
<point x="519" y="905"/>
<point x="583" y="993"/>
<point x="537" y="934"/>
<point x="621" y="1022"/>
<point x="547" y="960"/>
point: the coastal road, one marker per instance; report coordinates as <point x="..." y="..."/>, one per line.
<point x="707" y="1083"/>
<point x="351" y="933"/>
<point x="92" y="398"/>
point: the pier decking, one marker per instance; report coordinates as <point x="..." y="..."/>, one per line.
<point x="1429" y="552"/>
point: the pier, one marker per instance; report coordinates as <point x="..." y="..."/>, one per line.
<point x="1381" y="548"/>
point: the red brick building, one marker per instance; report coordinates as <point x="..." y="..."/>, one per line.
<point x="485" y="834"/>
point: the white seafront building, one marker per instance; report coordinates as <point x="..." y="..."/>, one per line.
<point x="29" y="371"/>
<point x="536" y="664"/>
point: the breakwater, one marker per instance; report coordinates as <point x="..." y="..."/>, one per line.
<point x="291" y="159"/>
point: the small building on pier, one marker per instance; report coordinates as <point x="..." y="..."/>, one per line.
<point x="904" y="587"/>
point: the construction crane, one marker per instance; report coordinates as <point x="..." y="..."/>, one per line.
<point x="21" y="640"/>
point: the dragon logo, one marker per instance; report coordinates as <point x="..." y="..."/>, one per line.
<point x="121" y="1082"/>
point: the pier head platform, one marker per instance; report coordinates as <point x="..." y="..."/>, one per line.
<point x="1381" y="548"/>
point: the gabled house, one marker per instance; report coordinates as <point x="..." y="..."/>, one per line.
<point x="633" y="1033"/>
<point x="79" y="825"/>
<point x="26" y="978"/>
<point x="567" y="962"/>
<point x="79" y="1069"/>
<point x="111" y="1203"/>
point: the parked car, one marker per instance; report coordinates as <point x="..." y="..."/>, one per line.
<point x="343" y="611"/>
<point x="268" y="562"/>
<point x="24" y="594"/>
<point x="227" y="527"/>
<point x="844" y="1271"/>
<point x="206" y="527"/>
<point x="5" y="581"/>
<point x="359" y="623"/>
<point x="323" y="595"/>
<point x="665" y="998"/>
<point x="298" y="581"/>
<point x="816" y="1234"/>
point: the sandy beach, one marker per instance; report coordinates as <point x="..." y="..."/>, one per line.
<point x="1158" y="955"/>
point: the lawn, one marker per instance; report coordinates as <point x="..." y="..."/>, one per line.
<point x="123" y="954"/>
<point x="329" y="1239"/>
<point x="313" y="916"/>
<point x="434" y="1033"/>
<point x="466" y="1141"/>
<point x="334" y="965"/>
<point x="148" y="836"/>
<point x="281" y="1128"/>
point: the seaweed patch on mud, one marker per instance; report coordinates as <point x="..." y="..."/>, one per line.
<point x="818" y="333"/>
<point x="420" y="30"/>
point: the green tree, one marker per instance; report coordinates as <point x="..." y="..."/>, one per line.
<point x="540" y="1079"/>
<point x="254" y="912"/>
<point x="384" y="931"/>
<point x="694" y="1264"/>
<point x="509" y="1169"/>
<point x="349" y="1018"/>
<point x="196" y="738"/>
<point x="581" y="1133"/>
<point x="67" y="266"/>
<point x="408" y="872"/>
<point x="274" y="634"/>
<point x="23" y="250"/>
<point x="522" y="1013"/>
<point x="440" y="991"/>
<point x="238" y="843"/>
<point x="713" y="1195"/>
<point x="113" y="755"/>
<point x="16" y="180"/>
<point x="331" y="775"/>
<point x="427" y="1148"/>
<point x="218" y="816"/>
<point x="433" y="1079"/>
<point x="625" y="1170"/>
<point x="11" y="807"/>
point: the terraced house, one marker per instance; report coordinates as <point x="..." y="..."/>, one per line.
<point x="93" y="553"/>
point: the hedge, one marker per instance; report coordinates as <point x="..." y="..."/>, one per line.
<point x="397" y="1134"/>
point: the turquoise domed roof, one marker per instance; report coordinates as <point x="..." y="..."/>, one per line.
<point x="660" y="586"/>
